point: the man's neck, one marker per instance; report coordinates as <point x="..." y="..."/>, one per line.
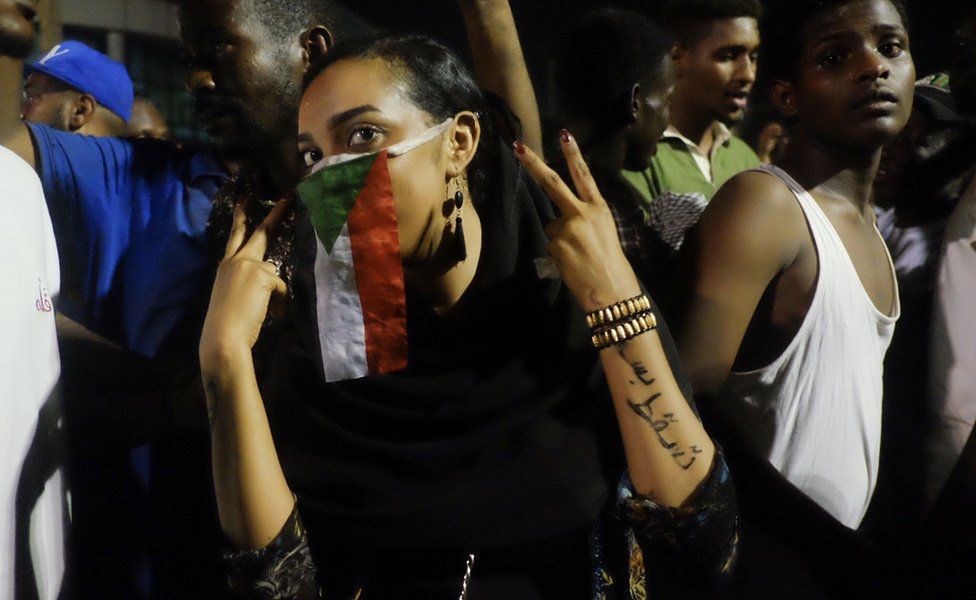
<point x="604" y="152"/>
<point x="277" y="172"/>
<point x="11" y="80"/>
<point x="838" y="172"/>
<point x="696" y="127"/>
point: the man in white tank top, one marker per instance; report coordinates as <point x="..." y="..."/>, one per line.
<point x="790" y="298"/>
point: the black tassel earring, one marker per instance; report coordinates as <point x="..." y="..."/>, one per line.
<point x="460" y="248"/>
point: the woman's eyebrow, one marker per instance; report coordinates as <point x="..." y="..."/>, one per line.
<point x="352" y="112"/>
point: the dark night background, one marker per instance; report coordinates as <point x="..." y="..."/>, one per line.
<point x="543" y="22"/>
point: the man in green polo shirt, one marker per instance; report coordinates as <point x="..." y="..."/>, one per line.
<point x="716" y="42"/>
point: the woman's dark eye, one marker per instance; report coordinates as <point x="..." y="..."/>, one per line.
<point x="363" y="136"/>
<point x="311" y="156"/>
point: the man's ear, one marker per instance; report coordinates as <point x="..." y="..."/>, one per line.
<point x="462" y="139"/>
<point x="82" y="110"/>
<point x="316" y="42"/>
<point x="635" y="104"/>
<point x="783" y="96"/>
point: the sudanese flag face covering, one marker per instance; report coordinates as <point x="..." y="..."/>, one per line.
<point x="360" y="295"/>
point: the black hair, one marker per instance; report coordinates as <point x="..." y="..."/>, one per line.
<point x="608" y="52"/>
<point x="284" y="20"/>
<point x="688" y="20"/>
<point x="782" y="38"/>
<point x="436" y="81"/>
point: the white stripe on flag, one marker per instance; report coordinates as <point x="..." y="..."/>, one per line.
<point x="342" y="332"/>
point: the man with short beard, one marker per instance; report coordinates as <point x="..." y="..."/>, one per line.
<point x="78" y="89"/>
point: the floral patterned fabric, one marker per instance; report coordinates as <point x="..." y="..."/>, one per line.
<point x="282" y="569"/>
<point x="641" y="550"/>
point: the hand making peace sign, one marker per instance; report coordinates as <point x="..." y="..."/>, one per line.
<point x="244" y="285"/>
<point x="583" y="240"/>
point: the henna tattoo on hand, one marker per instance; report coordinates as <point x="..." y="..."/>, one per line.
<point x="640" y="371"/>
<point x="677" y="454"/>
<point x="659" y="425"/>
<point x="643" y="409"/>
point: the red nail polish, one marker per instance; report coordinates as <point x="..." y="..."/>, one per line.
<point x="565" y="136"/>
<point x="519" y="148"/>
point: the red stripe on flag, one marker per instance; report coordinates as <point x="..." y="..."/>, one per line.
<point x="375" y="243"/>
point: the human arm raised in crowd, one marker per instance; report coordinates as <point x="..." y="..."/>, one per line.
<point x="668" y="452"/>
<point x="500" y="64"/>
<point x="269" y="554"/>
<point x="677" y="497"/>
<point x="253" y="498"/>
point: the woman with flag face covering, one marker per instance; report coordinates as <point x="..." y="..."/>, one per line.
<point x="467" y="375"/>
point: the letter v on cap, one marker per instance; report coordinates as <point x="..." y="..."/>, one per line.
<point x="54" y="53"/>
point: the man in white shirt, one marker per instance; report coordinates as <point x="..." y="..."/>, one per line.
<point x="952" y="380"/>
<point x="952" y="350"/>
<point x="32" y="514"/>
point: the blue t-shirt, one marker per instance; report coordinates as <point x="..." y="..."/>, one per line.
<point x="130" y="219"/>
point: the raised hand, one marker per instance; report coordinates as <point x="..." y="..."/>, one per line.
<point x="668" y="452"/>
<point x="583" y="241"/>
<point x="244" y="286"/>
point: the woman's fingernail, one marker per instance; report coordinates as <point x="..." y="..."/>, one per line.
<point x="565" y="136"/>
<point x="519" y="148"/>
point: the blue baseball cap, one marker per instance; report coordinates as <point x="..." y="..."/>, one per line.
<point x="91" y="72"/>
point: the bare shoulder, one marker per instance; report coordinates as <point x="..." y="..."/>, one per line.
<point x="755" y="212"/>
<point x="17" y="138"/>
<point x="753" y="192"/>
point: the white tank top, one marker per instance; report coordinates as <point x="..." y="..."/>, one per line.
<point x="815" y="411"/>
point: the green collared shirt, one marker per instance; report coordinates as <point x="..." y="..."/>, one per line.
<point x="679" y="167"/>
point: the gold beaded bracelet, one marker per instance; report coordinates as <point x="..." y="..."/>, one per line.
<point x="622" y="331"/>
<point x="609" y="315"/>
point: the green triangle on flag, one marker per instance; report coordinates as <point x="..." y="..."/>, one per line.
<point x="331" y="193"/>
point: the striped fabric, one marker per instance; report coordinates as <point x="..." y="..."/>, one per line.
<point x="360" y="294"/>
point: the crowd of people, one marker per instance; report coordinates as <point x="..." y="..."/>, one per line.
<point x="389" y="337"/>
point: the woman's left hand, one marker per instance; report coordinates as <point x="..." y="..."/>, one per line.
<point x="583" y="240"/>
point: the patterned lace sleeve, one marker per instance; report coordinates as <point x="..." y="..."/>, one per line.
<point x="281" y="570"/>
<point x="689" y="547"/>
